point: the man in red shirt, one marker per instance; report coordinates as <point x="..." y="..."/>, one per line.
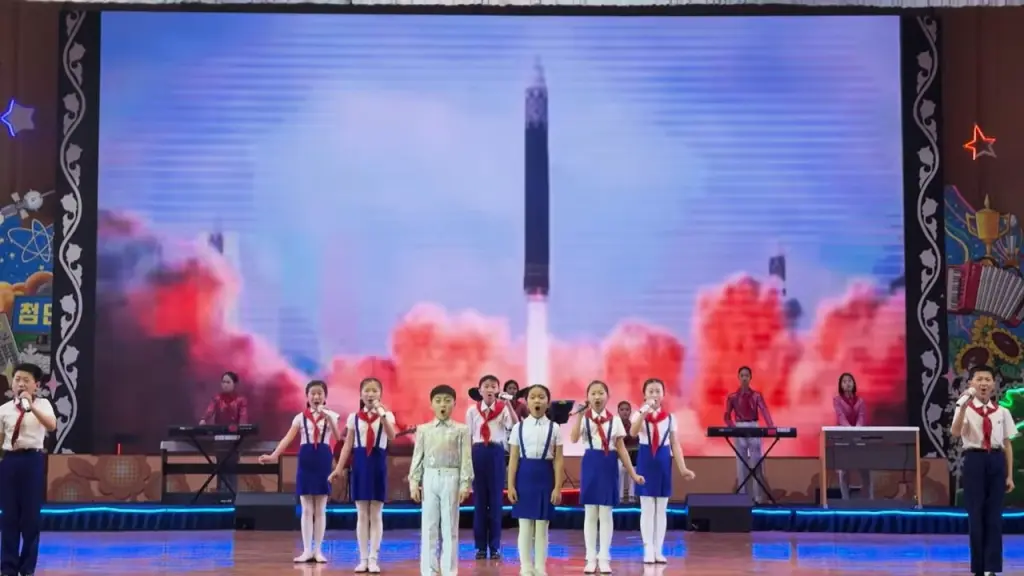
<point x="743" y="408"/>
<point x="227" y="409"/>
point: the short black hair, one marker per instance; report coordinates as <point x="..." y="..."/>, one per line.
<point x="314" y="383"/>
<point x="442" y="390"/>
<point x="983" y="368"/>
<point x="232" y="375"/>
<point x="539" y="387"/>
<point x="31" y="369"/>
<point x="625" y="403"/>
<point x="747" y="368"/>
<point x="512" y="382"/>
<point x="488" y="378"/>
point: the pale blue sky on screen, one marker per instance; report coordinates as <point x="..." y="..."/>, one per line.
<point x="378" y="160"/>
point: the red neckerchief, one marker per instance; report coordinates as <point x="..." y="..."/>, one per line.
<point x="371" y="438"/>
<point x="654" y="435"/>
<point x="228" y="398"/>
<point x="598" y="421"/>
<point x="315" y="419"/>
<point x="986" y="424"/>
<point x="485" y="428"/>
<point x="17" y="426"/>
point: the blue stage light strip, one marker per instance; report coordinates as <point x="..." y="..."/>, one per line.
<point x="68" y="510"/>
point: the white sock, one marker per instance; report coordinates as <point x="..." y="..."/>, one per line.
<point x="660" y="525"/>
<point x="647" y="525"/>
<point x="363" y="529"/>
<point x="540" y="547"/>
<point x="306" y="523"/>
<point x="376" y="528"/>
<point x="526" y="535"/>
<point x="319" y="522"/>
<point x="590" y="522"/>
<point x="605" y="516"/>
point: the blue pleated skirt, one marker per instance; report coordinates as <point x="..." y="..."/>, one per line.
<point x="369" y="475"/>
<point x="535" y="481"/>
<point x="315" y="463"/>
<point x="599" y="478"/>
<point x="657" y="472"/>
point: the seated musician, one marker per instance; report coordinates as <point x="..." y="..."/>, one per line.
<point x="743" y="409"/>
<point x="228" y="408"/>
<point x="851" y="411"/>
<point x="512" y="388"/>
<point x="628" y="487"/>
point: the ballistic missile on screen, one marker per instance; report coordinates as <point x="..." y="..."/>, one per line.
<point x="536" y="279"/>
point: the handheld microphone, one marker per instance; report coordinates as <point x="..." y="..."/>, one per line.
<point x="25" y="405"/>
<point x="965" y="398"/>
<point x="505" y="396"/>
<point x="583" y="409"/>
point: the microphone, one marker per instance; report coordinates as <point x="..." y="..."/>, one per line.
<point x="25" y="405"/>
<point x="965" y="398"/>
<point x="586" y="405"/>
<point x="505" y="396"/>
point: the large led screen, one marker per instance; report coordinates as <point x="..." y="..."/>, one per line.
<point x="428" y="199"/>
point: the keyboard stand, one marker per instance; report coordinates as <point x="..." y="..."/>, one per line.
<point x="752" y="471"/>
<point x="219" y="465"/>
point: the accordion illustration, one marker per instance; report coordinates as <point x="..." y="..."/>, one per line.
<point x="975" y="287"/>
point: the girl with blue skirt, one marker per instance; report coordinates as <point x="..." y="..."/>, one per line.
<point x="602" y="433"/>
<point x="656" y="430"/>
<point x="535" y="479"/>
<point x="315" y="427"/>
<point x="368" y="432"/>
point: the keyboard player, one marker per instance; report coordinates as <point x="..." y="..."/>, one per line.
<point x="228" y="408"/>
<point x="743" y="409"/>
<point x="851" y="411"/>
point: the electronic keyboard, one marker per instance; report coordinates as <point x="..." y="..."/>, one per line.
<point x="750" y="432"/>
<point x="212" y="430"/>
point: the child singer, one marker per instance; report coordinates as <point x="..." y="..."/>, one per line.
<point x="315" y="428"/>
<point x="369" y="431"/>
<point x="599" y="474"/>
<point x="656" y="430"/>
<point x="440" y="476"/>
<point x="24" y="423"/>
<point x="985" y="428"/>
<point x="489" y="421"/>
<point x="535" y="480"/>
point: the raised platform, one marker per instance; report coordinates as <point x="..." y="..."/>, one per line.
<point x="400" y="517"/>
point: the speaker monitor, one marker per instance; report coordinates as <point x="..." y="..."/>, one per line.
<point x="266" y="511"/>
<point x="720" y="512"/>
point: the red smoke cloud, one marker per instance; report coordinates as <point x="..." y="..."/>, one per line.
<point x="169" y="345"/>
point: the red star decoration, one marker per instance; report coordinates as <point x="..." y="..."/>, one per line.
<point x="980" y="145"/>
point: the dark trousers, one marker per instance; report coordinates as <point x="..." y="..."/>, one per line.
<point x="228" y="477"/>
<point x="21" y="500"/>
<point x="984" y="483"/>
<point x="488" y="495"/>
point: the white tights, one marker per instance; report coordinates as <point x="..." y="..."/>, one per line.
<point x="369" y="528"/>
<point x="533" y="542"/>
<point x="653" y="523"/>
<point x="313" y="523"/>
<point x="597" y="521"/>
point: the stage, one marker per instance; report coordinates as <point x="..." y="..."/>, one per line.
<point x="698" y="554"/>
<point x="140" y="517"/>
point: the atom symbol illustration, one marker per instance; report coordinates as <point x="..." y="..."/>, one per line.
<point x="35" y="242"/>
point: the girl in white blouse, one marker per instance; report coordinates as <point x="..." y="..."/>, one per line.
<point x="315" y="428"/>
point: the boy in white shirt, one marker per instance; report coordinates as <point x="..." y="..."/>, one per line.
<point x="24" y="423"/>
<point x="440" y="476"/>
<point x="985" y="428"/>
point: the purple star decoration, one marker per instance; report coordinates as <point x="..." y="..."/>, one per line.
<point x="17" y="118"/>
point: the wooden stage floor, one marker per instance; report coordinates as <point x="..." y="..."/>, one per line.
<point x="694" y="554"/>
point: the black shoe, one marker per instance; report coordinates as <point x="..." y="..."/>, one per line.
<point x="495" y="555"/>
<point x="481" y="555"/>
